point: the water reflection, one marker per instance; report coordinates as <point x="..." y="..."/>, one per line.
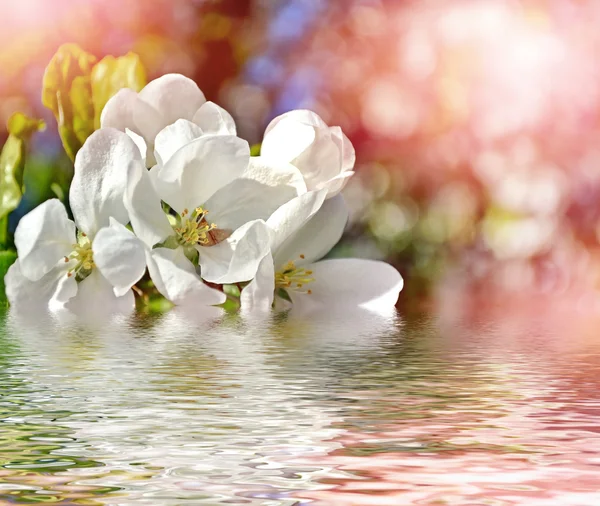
<point x="333" y="409"/>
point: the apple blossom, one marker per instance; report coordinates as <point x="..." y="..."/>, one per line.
<point x="96" y="266"/>
<point x="323" y="154"/>
<point x="217" y="198"/>
<point x="302" y="231"/>
<point x="159" y="104"/>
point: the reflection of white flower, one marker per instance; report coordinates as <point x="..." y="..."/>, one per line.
<point x="323" y="154"/>
<point x="97" y="267"/>
<point x="161" y="103"/>
<point x="302" y="231"/>
<point x="217" y="198"/>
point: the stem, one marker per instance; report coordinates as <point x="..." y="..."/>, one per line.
<point x="4" y="232"/>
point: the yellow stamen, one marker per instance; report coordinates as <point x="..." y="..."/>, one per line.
<point x="292" y="277"/>
<point x="83" y="256"/>
<point x="193" y="229"/>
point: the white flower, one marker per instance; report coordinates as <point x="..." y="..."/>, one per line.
<point x="323" y="154"/>
<point x="159" y="104"/>
<point x="95" y="268"/>
<point x="217" y="197"/>
<point x="302" y="231"/>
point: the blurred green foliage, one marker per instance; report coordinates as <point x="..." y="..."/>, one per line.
<point x="12" y="165"/>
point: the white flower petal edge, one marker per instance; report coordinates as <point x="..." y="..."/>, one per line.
<point x="323" y="154"/>
<point x="164" y="101"/>
<point x="214" y="120"/>
<point x="237" y="258"/>
<point x="317" y="236"/>
<point x="176" y="279"/>
<point x="200" y="168"/>
<point x="96" y="296"/>
<point x="143" y="204"/>
<point x="275" y="173"/>
<point x="42" y="237"/>
<point x="292" y="216"/>
<point x="210" y="120"/>
<point x="101" y="168"/>
<point x="350" y="282"/>
<point x="258" y="295"/>
<point x="173" y="137"/>
<point x="120" y="256"/>
<point x="118" y="111"/>
<point x="51" y="291"/>
<point x="245" y="200"/>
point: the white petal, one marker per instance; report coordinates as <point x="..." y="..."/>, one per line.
<point x="322" y="160"/>
<point x="101" y="168"/>
<point x="173" y="137"/>
<point x="303" y="139"/>
<point x="275" y="173"/>
<point x="118" y="111"/>
<point x="317" y="237"/>
<point x="44" y="236"/>
<point x="351" y="282"/>
<point x="258" y="294"/>
<point x="96" y="299"/>
<point x="346" y="148"/>
<point x="335" y="185"/>
<point x="237" y="258"/>
<point x="27" y="296"/>
<point x="245" y="200"/>
<point x="147" y="217"/>
<point x="195" y="172"/>
<point x="286" y="139"/>
<point x="215" y="120"/>
<point x="176" y="279"/>
<point x="298" y="116"/>
<point x="164" y="101"/>
<point x="139" y="141"/>
<point x="120" y="256"/>
<point x="293" y="215"/>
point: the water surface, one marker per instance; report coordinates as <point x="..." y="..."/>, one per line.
<point x="336" y="409"/>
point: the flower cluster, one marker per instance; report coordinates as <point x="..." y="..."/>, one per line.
<point x="167" y="187"/>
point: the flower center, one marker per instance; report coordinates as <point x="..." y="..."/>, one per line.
<point x="293" y="278"/>
<point x="84" y="258"/>
<point x="193" y="229"/>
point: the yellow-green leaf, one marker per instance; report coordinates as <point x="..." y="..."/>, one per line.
<point x="12" y="160"/>
<point x="83" y="108"/>
<point x="23" y="126"/>
<point x="110" y="75"/>
<point x="66" y="91"/>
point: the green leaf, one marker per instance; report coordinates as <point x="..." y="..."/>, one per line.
<point x="23" y="127"/>
<point x="7" y="258"/>
<point x="66" y="91"/>
<point x="12" y="164"/>
<point x="110" y="75"/>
